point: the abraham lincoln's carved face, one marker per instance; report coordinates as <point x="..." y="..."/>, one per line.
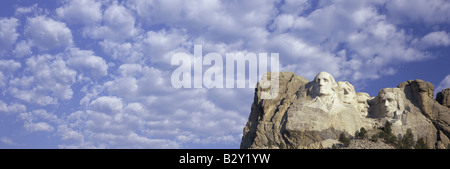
<point x="389" y="103"/>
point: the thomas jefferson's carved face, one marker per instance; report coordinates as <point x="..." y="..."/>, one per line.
<point x="323" y="84"/>
<point x="348" y="92"/>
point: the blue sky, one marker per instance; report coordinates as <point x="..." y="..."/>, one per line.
<point x="96" y="73"/>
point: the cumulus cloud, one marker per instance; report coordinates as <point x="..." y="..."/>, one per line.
<point x="435" y="39"/>
<point x="85" y="61"/>
<point x="12" y="108"/>
<point x="118" y="72"/>
<point x="107" y="104"/>
<point x="9" y="65"/>
<point x="47" y="80"/>
<point x="8" y="141"/>
<point x="349" y="39"/>
<point x="23" y="48"/>
<point x="82" y="11"/>
<point x="40" y="126"/>
<point x="433" y="12"/>
<point x="125" y="52"/>
<point x="8" y="34"/>
<point x="38" y="121"/>
<point x="110" y="122"/>
<point x="46" y="33"/>
<point x="67" y="133"/>
<point x="158" y="44"/>
<point x="118" y="24"/>
<point x="445" y="83"/>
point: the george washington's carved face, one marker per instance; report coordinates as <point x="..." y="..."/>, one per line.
<point x="324" y="83"/>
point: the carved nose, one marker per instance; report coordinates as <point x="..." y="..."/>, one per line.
<point x="321" y="83"/>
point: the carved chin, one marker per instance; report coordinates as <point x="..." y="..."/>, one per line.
<point x="389" y="111"/>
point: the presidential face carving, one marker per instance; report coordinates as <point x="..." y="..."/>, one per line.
<point x="348" y="94"/>
<point x="323" y="85"/>
<point x="391" y="102"/>
<point x="363" y="105"/>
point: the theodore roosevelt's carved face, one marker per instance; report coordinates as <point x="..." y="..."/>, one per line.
<point x="323" y="84"/>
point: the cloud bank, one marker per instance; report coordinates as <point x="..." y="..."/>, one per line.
<point x="96" y="74"/>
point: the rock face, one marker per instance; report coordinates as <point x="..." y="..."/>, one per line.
<point x="265" y="127"/>
<point x="443" y="97"/>
<point x="313" y="114"/>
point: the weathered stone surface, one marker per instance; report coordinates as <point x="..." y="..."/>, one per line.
<point x="443" y="142"/>
<point x="366" y="144"/>
<point x="392" y="105"/>
<point x="443" y="97"/>
<point x="418" y="92"/>
<point x="264" y="126"/>
<point x="321" y="109"/>
<point x="313" y="114"/>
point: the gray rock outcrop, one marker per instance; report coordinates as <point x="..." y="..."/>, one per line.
<point x="443" y="97"/>
<point x="313" y="114"/>
<point x="265" y="127"/>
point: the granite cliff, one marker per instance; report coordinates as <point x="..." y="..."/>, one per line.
<point x="312" y="114"/>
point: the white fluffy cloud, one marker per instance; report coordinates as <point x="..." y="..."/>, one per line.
<point x="39" y="120"/>
<point x="348" y="39"/>
<point x="85" y="61"/>
<point x="47" y="33"/>
<point x="9" y="65"/>
<point x="100" y="77"/>
<point x="7" y="141"/>
<point x="110" y="122"/>
<point x="435" y="39"/>
<point x="118" y="24"/>
<point x="23" y="48"/>
<point x="47" y="80"/>
<point x="107" y="104"/>
<point x="445" y="83"/>
<point x="86" y="12"/>
<point x="8" y="34"/>
<point x="12" y="108"/>
<point x="429" y="12"/>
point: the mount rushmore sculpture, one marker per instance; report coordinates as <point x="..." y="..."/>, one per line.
<point x="313" y="114"/>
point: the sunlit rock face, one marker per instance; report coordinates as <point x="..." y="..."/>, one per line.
<point x="443" y="97"/>
<point x="313" y="114"/>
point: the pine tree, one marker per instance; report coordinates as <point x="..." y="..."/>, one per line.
<point x="387" y="128"/>
<point x="362" y="133"/>
<point x="344" y="140"/>
<point x="334" y="146"/>
<point x="374" y="138"/>
<point x="420" y="144"/>
<point x="407" y="142"/>
<point x="387" y="134"/>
